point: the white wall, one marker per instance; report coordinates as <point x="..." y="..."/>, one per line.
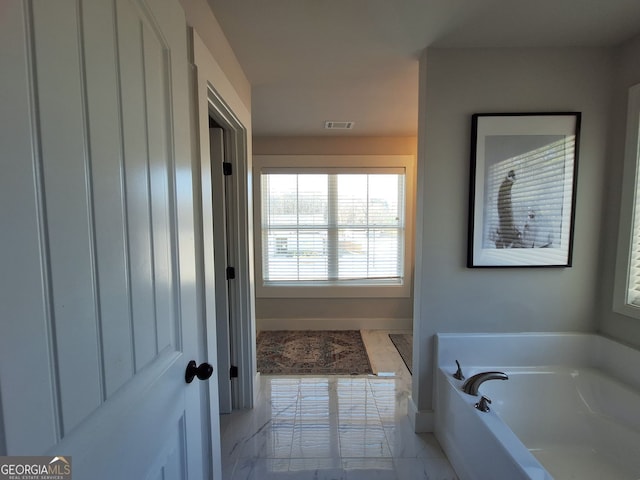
<point x="228" y="70"/>
<point x="449" y="297"/>
<point x="334" y="313"/>
<point x="626" y="73"/>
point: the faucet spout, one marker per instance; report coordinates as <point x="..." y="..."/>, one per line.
<point x="472" y="385"/>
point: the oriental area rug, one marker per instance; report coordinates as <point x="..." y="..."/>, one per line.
<point x="331" y="352"/>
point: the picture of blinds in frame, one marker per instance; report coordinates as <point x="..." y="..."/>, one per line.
<point x="522" y="189"/>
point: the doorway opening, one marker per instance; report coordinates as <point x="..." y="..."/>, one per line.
<point x="235" y="324"/>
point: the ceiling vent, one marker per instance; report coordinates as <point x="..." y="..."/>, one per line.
<point x="338" y="125"/>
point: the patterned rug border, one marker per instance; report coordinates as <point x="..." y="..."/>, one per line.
<point x="290" y="352"/>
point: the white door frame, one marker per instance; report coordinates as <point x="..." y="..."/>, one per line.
<point x="242" y="328"/>
<point x="211" y="102"/>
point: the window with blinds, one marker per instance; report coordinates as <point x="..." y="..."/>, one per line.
<point x="627" y="275"/>
<point x="333" y="226"/>
<point x="633" y="279"/>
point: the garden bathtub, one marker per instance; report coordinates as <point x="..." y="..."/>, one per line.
<point x="570" y="409"/>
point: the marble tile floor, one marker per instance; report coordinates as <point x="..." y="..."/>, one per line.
<point x="333" y="427"/>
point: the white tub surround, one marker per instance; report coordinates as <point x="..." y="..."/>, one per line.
<point x="568" y="410"/>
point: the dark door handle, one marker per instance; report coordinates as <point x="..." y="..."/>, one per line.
<point x="203" y="372"/>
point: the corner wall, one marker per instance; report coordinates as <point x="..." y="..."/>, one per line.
<point x="626" y="74"/>
<point x="334" y="313"/>
<point x="454" y="84"/>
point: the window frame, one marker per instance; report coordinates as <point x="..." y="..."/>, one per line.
<point x="628" y="207"/>
<point x="297" y="163"/>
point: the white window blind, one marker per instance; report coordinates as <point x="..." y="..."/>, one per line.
<point x="633" y="280"/>
<point x="627" y="275"/>
<point x="333" y="226"/>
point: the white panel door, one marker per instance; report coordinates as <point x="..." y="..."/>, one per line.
<point x="98" y="305"/>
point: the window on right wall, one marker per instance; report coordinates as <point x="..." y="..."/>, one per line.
<point x="627" y="284"/>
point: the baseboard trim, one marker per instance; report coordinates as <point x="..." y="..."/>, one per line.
<point x="422" y="421"/>
<point x="334" y="324"/>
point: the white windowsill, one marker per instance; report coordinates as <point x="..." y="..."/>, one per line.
<point x="333" y="291"/>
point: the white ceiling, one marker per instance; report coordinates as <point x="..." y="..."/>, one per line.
<point x="309" y="61"/>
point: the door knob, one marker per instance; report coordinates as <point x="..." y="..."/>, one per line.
<point x="203" y="372"/>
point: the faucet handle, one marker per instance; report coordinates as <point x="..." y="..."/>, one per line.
<point x="483" y="404"/>
<point x="458" y="375"/>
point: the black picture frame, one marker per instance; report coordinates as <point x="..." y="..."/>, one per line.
<point x="522" y="189"/>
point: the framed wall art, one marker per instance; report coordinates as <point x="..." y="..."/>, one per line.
<point x="522" y="189"/>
